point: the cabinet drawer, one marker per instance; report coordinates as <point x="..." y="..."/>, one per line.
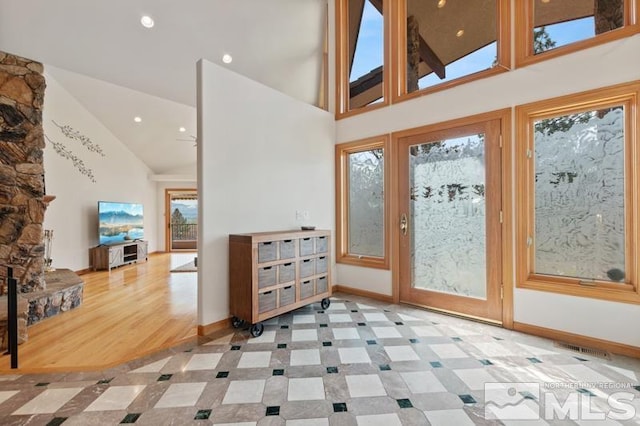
<point x="306" y="289"/>
<point x="321" y="265"/>
<point x="266" y="301"/>
<point x="321" y="244"/>
<point x="287" y="295"/>
<point x="322" y="285"/>
<point x="307" y="268"/>
<point x="287" y="272"/>
<point x="287" y="249"/>
<point x="306" y="246"/>
<point x="266" y="276"/>
<point x="266" y="252"/>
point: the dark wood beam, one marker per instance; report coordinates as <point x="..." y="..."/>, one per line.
<point x="426" y="52"/>
<point x="366" y="82"/>
<point x="356" y="8"/>
<point x="430" y="58"/>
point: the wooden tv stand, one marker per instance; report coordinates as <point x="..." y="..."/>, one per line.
<point x="114" y="255"/>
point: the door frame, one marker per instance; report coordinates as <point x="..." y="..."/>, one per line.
<point x="505" y="117"/>
<point x="167" y="215"/>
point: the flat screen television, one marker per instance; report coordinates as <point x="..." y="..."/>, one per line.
<point x="119" y="222"/>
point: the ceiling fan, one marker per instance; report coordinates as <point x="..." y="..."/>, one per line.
<point x="191" y="139"/>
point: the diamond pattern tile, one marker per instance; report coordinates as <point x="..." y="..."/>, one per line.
<point x="359" y="362"/>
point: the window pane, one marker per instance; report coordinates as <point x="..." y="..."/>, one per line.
<point x="366" y="52"/>
<point x="579" y="195"/>
<point x="448" y="40"/>
<point x="366" y="203"/>
<point x="447" y="216"/>
<point x="558" y="23"/>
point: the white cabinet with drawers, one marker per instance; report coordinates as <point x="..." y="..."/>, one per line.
<point x="271" y="273"/>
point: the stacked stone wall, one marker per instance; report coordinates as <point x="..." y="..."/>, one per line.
<point x="22" y="207"/>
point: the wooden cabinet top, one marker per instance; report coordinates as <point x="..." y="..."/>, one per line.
<point x="258" y="237"/>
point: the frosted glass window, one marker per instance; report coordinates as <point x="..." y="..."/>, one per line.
<point x="579" y="195"/>
<point x="448" y="217"/>
<point x="366" y="203"/>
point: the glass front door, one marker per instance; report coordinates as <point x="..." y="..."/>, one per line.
<point x="450" y="220"/>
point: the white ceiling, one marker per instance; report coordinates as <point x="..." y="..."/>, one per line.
<point x="117" y="69"/>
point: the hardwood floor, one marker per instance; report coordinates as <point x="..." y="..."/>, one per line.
<point x="132" y="311"/>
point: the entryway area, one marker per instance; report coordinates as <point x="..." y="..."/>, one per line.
<point x="450" y="217"/>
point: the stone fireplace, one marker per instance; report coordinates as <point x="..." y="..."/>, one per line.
<point x="22" y="188"/>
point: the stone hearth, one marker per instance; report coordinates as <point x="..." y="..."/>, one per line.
<point x="64" y="291"/>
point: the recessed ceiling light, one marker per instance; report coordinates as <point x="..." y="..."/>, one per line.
<point x="182" y="130"/>
<point x="460" y="33"/>
<point x="137" y="119"/>
<point x="546" y="1"/>
<point x="226" y="58"/>
<point x="147" y="21"/>
<point x="441" y="3"/>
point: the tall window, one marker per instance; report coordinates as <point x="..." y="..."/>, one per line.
<point x="389" y="49"/>
<point x="550" y="27"/>
<point x="362" y="210"/>
<point x="361" y="53"/>
<point x="580" y="216"/>
<point x="449" y="40"/>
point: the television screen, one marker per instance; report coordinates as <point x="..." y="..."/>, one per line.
<point x="119" y="222"/>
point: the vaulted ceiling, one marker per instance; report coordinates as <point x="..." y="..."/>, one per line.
<point x="117" y="69"/>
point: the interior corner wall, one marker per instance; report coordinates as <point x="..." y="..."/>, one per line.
<point x="119" y="176"/>
<point x="162" y="186"/>
<point x="601" y="66"/>
<point x="261" y="156"/>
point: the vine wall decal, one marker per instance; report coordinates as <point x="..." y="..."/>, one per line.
<point x="62" y="151"/>
<point x="74" y="134"/>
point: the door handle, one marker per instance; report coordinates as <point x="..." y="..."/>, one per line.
<point x="404" y="224"/>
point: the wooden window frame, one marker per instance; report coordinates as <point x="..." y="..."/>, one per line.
<point x="342" y="64"/>
<point x="399" y="61"/>
<point x="624" y="94"/>
<point x="342" y="152"/>
<point x="524" y="34"/>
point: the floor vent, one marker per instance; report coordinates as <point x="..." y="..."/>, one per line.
<point x="585" y="351"/>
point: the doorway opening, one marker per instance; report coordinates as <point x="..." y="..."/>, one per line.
<point x="181" y="219"/>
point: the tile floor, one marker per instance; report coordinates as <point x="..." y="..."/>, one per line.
<point x="357" y="363"/>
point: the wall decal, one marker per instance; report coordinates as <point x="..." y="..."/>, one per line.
<point x="72" y="133"/>
<point x="62" y="151"/>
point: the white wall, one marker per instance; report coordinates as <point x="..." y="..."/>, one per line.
<point x="615" y="62"/>
<point x="262" y="155"/>
<point x="120" y="176"/>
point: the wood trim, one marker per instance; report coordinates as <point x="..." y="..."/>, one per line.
<point x="343" y="108"/>
<point x="577" y="339"/>
<point x="506" y="121"/>
<point x="494" y="123"/>
<point x="207" y="329"/>
<point x="525" y="25"/>
<point x="342" y="202"/>
<point x="398" y="59"/>
<point x="167" y="215"/>
<point x="364" y="293"/>
<point x="394" y="220"/>
<point x="627" y="94"/>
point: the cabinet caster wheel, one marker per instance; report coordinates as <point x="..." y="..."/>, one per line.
<point x="256" y="329"/>
<point x="236" y="322"/>
<point x="325" y="303"/>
